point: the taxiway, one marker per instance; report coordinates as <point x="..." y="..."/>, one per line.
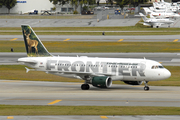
<point x="15" y="92"/>
<point x="100" y="38"/>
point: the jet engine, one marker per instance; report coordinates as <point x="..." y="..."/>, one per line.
<point x="102" y="81"/>
<point x="133" y="82"/>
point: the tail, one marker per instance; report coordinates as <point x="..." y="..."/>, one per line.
<point x="143" y="16"/>
<point x="34" y="46"/>
<point x="147" y="11"/>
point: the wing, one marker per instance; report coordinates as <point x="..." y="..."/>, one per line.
<point x="157" y="24"/>
<point x="81" y="73"/>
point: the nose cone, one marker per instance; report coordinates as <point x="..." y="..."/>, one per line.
<point x="167" y="73"/>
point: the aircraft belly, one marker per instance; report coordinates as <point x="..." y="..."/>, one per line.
<point x="67" y="75"/>
<point x="116" y="78"/>
<point x="134" y="78"/>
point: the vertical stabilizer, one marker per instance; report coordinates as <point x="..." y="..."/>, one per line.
<point x="147" y="11"/>
<point x="34" y="46"/>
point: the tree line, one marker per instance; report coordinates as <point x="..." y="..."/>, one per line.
<point x="120" y="3"/>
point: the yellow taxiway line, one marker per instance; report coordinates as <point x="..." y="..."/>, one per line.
<point x="66" y="39"/>
<point x="104" y="117"/>
<point x="10" y="117"/>
<point x="175" y="40"/>
<point x="120" y="40"/>
<point x="13" y="39"/>
<point x="56" y="101"/>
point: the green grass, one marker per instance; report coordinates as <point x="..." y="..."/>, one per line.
<point x="85" y="47"/>
<point x="128" y="28"/>
<point x="18" y="72"/>
<point x="142" y="30"/>
<point x="86" y="110"/>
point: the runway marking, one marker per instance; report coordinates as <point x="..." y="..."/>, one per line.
<point x="56" y="101"/>
<point x="13" y="39"/>
<point x="10" y="117"/>
<point x="175" y="40"/>
<point x="120" y="40"/>
<point x="104" y="117"/>
<point x="66" y="39"/>
<point x="160" y="62"/>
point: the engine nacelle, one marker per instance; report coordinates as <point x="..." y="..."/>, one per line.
<point x="102" y="82"/>
<point x="133" y="82"/>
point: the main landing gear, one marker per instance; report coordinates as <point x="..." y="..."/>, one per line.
<point x="85" y="86"/>
<point x="146" y="88"/>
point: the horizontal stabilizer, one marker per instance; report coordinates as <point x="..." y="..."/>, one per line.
<point x="27" y="61"/>
<point x="146" y="24"/>
<point x="27" y="69"/>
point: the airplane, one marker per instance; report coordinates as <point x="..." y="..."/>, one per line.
<point x="99" y="72"/>
<point x="161" y="14"/>
<point x="164" y="6"/>
<point x="154" y="22"/>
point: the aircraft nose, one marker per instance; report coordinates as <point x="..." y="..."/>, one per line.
<point x="167" y="74"/>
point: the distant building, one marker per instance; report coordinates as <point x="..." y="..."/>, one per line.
<point x="24" y="6"/>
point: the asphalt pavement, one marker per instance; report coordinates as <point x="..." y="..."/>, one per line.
<point x="67" y="22"/>
<point x="17" y="92"/>
<point x="92" y="117"/>
<point x="99" y="38"/>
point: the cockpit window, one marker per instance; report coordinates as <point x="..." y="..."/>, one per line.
<point x="156" y="67"/>
<point x="161" y="67"/>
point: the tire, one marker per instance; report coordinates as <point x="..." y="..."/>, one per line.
<point x="85" y="87"/>
<point x="146" y="88"/>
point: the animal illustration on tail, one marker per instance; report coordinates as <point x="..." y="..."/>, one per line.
<point x="31" y="43"/>
<point x="34" y="46"/>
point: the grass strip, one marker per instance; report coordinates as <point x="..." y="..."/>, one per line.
<point x="86" y="110"/>
<point x="53" y="30"/>
<point x="126" y="28"/>
<point x="18" y="72"/>
<point x="94" y="47"/>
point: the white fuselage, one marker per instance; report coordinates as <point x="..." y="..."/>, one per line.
<point x="118" y="69"/>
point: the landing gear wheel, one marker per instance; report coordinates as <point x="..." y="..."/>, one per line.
<point x="146" y="88"/>
<point x="85" y="87"/>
